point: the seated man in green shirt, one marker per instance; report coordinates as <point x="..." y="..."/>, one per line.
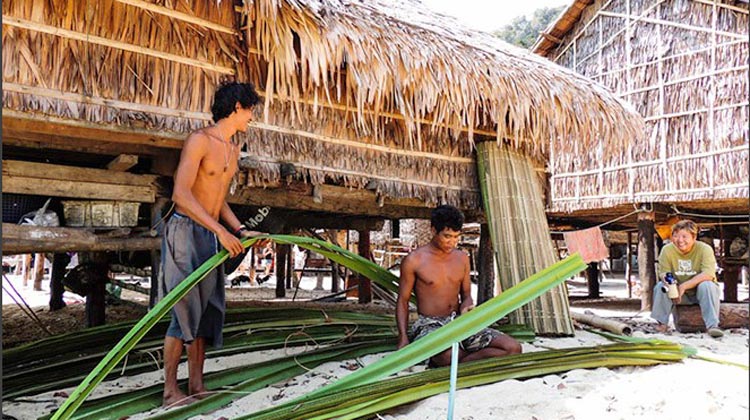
<point x="694" y="268"/>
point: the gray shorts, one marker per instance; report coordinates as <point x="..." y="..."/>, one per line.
<point x="427" y="324"/>
<point x="185" y="246"/>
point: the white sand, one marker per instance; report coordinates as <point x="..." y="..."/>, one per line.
<point x="693" y="389"/>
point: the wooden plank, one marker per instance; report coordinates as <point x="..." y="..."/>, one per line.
<point x="122" y="163"/>
<point x="74" y="173"/>
<point x="77" y="189"/>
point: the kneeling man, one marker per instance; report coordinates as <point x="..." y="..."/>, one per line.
<point x="439" y="275"/>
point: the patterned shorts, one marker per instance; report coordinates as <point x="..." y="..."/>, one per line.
<point x="427" y="324"/>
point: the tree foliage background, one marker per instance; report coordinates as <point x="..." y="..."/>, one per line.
<point x="523" y="32"/>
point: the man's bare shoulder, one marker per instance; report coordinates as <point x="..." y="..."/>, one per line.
<point x="198" y="136"/>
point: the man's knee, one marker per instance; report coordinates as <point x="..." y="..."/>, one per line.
<point x="708" y="287"/>
<point x="515" y="348"/>
<point x="442" y="359"/>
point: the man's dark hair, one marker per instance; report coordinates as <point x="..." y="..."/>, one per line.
<point x="229" y="94"/>
<point x="446" y="216"/>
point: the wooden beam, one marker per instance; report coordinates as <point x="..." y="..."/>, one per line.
<point x="335" y="222"/>
<point x="45" y="143"/>
<point x="63" y="127"/>
<point x="122" y="162"/>
<point x="339" y="200"/>
<point x="23" y="239"/>
<point x="77" y="189"/>
<point x="75" y="182"/>
<point x="75" y="173"/>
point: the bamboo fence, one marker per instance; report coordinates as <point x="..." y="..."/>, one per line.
<point x="520" y="235"/>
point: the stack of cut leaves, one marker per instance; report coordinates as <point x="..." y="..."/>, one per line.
<point x="464" y="326"/>
<point x="366" y="399"/>
<point x="62" y="361"/>
<point x="365" y="390"/>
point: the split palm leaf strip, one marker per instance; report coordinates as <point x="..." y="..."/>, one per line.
<point x="370" y="398"/>
<point x="457" y="330"/>
<point x="352" y="261"/>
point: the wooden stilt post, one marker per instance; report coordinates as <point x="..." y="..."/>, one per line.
<point x="281" y="252"/>
<point x="26" y="264"/>
<point x="95" y="314"/>
<point x="646" y="258"/>
<point x="627" y="265"/>
<point x="364" y="285"/>
<point x="56" y="289"/>
<point x="289" y="268"/>
<point x="486" y="263"/>
<point x="592" y="277"/>
<point x="395" y="228"/>
<point x="38" y="270"/>
<point x="157" y="211"/>
<point x="334" y="277"/>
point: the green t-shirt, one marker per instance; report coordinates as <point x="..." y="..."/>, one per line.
<point x="700" y="259"/>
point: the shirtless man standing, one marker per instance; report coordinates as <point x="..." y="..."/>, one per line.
<point x="439" y="274"/>
<point x="201" y="183"/>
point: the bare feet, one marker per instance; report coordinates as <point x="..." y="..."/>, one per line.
<point x="662" y="328"/>
<point x="177" y="399"/>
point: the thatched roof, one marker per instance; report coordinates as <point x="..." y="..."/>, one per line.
<point x="683" y="65"/>
<point x="383" y="94"/>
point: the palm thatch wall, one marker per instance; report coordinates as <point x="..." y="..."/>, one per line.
<point x="683" y="64"/>
<point x="383" y="94"/>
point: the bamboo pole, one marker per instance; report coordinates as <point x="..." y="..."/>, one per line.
<point x="741" y="148"/>
<point x="111" y="43"/>
<point x="589" y="318"/>
<point x="174" y="14"/>
<point x="685" y="26"/>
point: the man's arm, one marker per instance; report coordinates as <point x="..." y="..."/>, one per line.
<point x="194" y="150"/>
<point x="405" y="287"/>
<point x="467" y="302"/>
<point x="228" y="216"/>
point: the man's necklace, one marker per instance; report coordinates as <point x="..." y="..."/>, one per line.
<point x="226" y="150"/>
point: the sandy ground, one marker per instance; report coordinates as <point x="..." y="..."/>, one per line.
<point x="693" y="389"/>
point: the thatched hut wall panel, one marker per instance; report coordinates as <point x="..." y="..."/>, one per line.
<point x="689" y="83"/>
<point x="619" y="182"/>
<point x="687" y="135"/>
<point x="731" y="127"/>
<point x="732" y="168"/>
<point x="687" y="66"/>
<point x="637" y="7"/>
